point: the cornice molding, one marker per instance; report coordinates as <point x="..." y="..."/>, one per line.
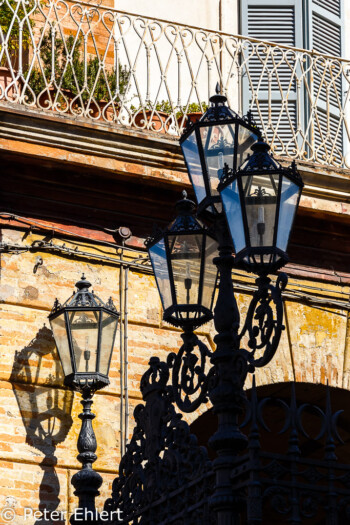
<point x="144" y="154"/>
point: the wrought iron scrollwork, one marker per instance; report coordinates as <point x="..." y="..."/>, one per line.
<point x="279" y="498"/>
<point x="163" y="461"/>
<point x="189" y="378"/>
<point x="264" y="325"/>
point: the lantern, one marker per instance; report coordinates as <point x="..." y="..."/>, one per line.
<point x="84" y="329"/>
<point x="219" y="137"/>
<point x="260" y="200"/>
<point x="182" y="260"/>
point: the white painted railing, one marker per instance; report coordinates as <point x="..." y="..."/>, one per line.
<point x="98" y="63"/>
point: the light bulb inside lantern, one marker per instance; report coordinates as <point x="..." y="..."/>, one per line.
<point x="87" y="353"/>
<point x="261" y="224"/>
<point x="220" y="164"/>
<point x="188" y="282"/>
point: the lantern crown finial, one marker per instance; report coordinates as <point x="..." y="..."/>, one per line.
<point x="261" y="146"/>
<point x="185" y="206"/>
<point x="218" y="99"/>
<point x="83" y="284"/>
<point x="261" y="159"/>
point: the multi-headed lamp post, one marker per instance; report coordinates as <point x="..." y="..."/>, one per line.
<point x="248" y="201"/>
<point x="84" y="329"/>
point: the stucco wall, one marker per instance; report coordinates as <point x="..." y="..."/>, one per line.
<point x="195" y="13"/>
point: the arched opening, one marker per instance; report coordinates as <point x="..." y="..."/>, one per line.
<point x="302" y="461"/>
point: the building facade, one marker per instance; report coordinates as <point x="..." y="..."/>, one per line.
<point x="92" y="101"/>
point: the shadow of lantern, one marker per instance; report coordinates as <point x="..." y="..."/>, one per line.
<point x="45" y="409"/>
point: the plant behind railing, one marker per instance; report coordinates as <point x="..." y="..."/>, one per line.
<point x="68" y="77"/>
<point x="15" y="29"/>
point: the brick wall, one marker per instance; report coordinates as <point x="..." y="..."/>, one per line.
<point x="39" y="426"/>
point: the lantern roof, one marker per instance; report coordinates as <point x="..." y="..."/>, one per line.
<point x="84" y="298"/>
<point x="219" y="112"/>
<point x="185" y="221"/>
<point x="218" y="109"/>
<point x="261" y="161"/>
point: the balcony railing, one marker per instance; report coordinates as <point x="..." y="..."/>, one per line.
<point x="94" y="62"/>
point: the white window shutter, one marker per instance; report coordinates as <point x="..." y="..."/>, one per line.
<point x="332" y="6"/>
<point x="325" y="36"/>
<point x="269" y="87"/>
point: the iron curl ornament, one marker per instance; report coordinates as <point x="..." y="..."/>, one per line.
<point x="263" y="325"/>
<point x="190" y="379"/>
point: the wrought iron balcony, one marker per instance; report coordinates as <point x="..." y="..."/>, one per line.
<point x="94" y="62"/>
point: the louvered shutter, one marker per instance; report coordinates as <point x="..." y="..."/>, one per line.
<point x="269" y="86"/>
<point x="325" y="35"/>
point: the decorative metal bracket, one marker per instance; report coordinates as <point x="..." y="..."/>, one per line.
<point x="189" y="376"/>
<point x="191" y="379"/>
<point x="263" y="326"/>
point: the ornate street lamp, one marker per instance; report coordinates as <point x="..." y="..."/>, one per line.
<point x="84" y="329"/>
<point x="251" y="200"/>
<point x="260" y="200"/>
<point x="219" y="137"/>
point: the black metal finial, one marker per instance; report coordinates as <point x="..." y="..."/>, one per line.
<point x="83" y="284"/>
<point x="218" y="99"/>
<point x="260" y="146"/>
<point x="185" y="206"/>
<point x="57" y="306"/>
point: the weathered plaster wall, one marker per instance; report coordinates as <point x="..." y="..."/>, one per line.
<point x="38" y="418"/>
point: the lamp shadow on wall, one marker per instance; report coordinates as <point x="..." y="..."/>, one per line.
<point x="45" y="410"/>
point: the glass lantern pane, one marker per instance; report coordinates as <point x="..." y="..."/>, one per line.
<point x="84" y="329"/>
<point x="260" y="192"/>
<point x="232" y="206"/>
<point x="210" y="272"/>
<point x="160" y="268"/>
<point x="109" y="328"/>
<point x="186" y="252"/>
<point x="191" y="154"/>
<point x="289" y="199"/>
<point x="218" y="145"/>
<point x="245" y="140"/>
<point x="58" y="327"/>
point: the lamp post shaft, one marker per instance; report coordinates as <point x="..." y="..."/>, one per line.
<point x="227" y="395"/>
<point x="87" y="481"/>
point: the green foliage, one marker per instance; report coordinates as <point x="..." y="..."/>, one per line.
<point x="104" y="84"/>
<point x="12" y="16"/>
<point x="165" y="107"/>
<point x="192" y="108"/>
<point x="69" y="76"/>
